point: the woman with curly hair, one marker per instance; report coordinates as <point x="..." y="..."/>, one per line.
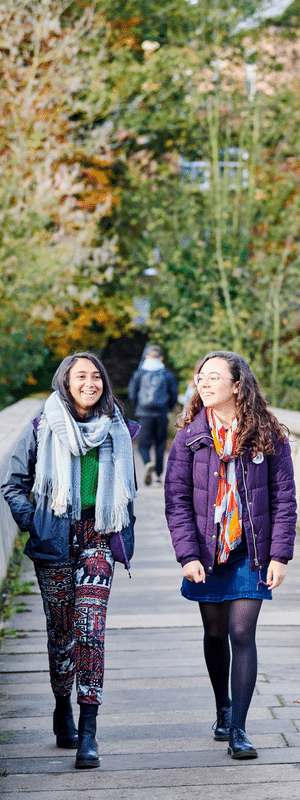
<point x="231" y="511"/>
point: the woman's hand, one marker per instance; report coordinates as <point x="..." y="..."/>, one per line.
<point x="194" y="571"/>
<point x="275" y="575"/>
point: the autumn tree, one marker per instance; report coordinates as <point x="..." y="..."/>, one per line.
<point x="57" y="272"/>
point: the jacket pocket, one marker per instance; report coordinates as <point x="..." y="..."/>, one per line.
<point x="49" y="535"/>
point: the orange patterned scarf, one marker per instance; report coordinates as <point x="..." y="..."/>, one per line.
<point x="228" y="512"/>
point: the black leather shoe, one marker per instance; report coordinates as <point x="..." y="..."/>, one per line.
<point x="64" y="727"/>
<point x="87" y="753"/>
<point x="222" y="723"/>
<point x="239" y="745"/>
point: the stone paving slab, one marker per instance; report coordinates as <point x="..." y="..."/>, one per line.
<point x="17" y="663"/>
<point x="292" y="739"/>
<point x="21" y="688"/>
<point x="186" y="779"/>
<point x="16" y="647"/>
<point x="111" y="739"/>
<point x="128" y="719"/>
<point x="288" y="700"/>
<point x="286" y="713"/>
<point x="115" y="730"/>
<point x="141" y="761"/>
<point x="138" y="746"/>
<point x="39" y="662"/>
<point x="286" y="791"/>
<point x="118" y="702"/>
<point x="15" y="679"/>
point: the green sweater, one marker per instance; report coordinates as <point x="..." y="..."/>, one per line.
<point x="89" y="478"/>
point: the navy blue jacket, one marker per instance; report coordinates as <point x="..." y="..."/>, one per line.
<point x="49" y="539"/>
<point x="49" y="535"/>
<point x="153" y="392"/>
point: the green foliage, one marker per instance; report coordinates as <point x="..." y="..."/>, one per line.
<point x="101" y="103"/>
<point x="136" y="21"/>
<point x="226" y="257"/>
<point x="12" y="587"/>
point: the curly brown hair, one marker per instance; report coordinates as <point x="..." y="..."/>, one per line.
<point x="257" y="427"/>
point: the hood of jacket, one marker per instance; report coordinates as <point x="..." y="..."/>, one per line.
<point x="152" y="364"/>
<point x="198" y="431"/>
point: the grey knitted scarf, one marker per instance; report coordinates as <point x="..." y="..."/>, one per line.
<point x="61" y="442"/>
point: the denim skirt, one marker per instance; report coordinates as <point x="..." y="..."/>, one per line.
<point x="228" y="582"/>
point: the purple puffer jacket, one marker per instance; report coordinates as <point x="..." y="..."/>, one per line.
<point x="266" y="487"/>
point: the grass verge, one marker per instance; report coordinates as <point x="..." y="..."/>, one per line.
<point x="12" y="586"/>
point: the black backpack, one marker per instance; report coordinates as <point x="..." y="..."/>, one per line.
<point x="153" y="391"/>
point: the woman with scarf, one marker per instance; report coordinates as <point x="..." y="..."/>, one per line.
<point x="71" y="484"/>
<point x="231" y="511"/>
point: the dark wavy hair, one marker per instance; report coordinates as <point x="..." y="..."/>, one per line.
<point x="61" y="380"/>
<point x="257" y="427"/>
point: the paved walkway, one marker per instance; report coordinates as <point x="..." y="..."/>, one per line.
<point x="154" y="727"/>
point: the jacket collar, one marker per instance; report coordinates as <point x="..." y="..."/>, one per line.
<point x="198" y="429"/>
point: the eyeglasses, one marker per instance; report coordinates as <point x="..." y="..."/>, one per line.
<point x="213" y="377"/>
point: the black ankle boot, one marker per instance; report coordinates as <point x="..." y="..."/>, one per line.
<point x="64" y="726"/>
<point x="221" y="726"/>
<point x="239" y="745"/>
<point x="87" y="753"/>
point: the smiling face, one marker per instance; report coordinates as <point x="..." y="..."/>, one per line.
<point x="216" y="387"/>
<point x="85" y="385"/>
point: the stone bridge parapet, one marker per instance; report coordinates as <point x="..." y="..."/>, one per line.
<point x="13" y="420"/>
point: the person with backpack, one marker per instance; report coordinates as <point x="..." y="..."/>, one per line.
<point x="153" y="390"/>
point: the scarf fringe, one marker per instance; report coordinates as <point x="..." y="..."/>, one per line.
<point x="43" y="486"/>
<point x="110" y="523"/>
<point x="113" y="519"/>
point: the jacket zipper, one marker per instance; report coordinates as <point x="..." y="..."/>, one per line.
<point x="201" y="436"/>
<point x="249" y="513"/>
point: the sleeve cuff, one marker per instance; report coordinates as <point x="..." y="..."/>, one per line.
<point x="187" y="559"/>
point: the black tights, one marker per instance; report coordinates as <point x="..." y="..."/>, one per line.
<point x="235" y="620"/>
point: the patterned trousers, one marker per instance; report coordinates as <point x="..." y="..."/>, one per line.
<point x="75" y="598"/>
